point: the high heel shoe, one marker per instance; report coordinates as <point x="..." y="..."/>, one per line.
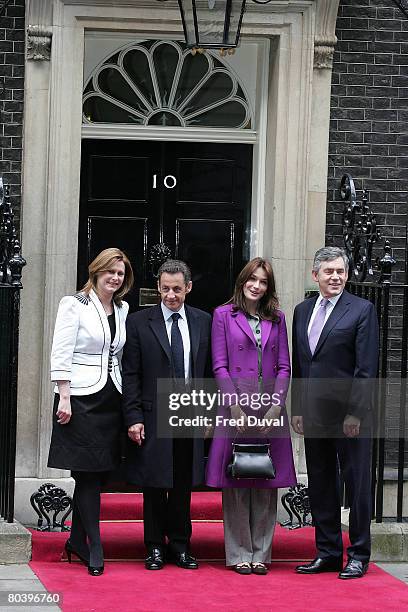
<point x="96" y="564"/>
<point x="95" y="571"/>
<point x="70" y="550"/>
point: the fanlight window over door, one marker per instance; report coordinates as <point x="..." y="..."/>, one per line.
<point x="160" y="83"/>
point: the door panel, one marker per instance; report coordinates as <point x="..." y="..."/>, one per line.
<point x="205" y="181"/>
<point x="130" y="233"/>
<point x="193" y="197"/>
<point x="208" y="246"/>
<point x="123" y="178"/>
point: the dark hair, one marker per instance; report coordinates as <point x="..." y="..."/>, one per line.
<point x="174" y="266"/>
<point x="102" y="263"/>
<point x="268" y="304"/>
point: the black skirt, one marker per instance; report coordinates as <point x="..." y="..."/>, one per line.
<point x="90" y="442"/>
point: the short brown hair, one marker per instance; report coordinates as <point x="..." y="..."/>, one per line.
<point x="269" y="303"/>
<point x="102" y="263"/>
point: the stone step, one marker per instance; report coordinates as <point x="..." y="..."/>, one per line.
<point x="389" y="540"/>
<point x="15" y="543"/>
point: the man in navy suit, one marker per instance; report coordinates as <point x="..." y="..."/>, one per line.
<point x="335" y="360"/>
<point x="168" y="341"/>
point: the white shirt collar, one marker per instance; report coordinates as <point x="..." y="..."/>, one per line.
<point x="167" y="312"/>
<point x="333" y="300"/>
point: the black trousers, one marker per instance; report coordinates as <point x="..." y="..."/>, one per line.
<point x="166" y="512"/>
<point x="323" y="457"/>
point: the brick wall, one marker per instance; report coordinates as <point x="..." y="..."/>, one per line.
<point x="12" y="42"/>
<point x="369" y="114"/>
<point x="369" y="140"/>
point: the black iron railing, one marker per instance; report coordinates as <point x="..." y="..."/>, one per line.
<point x="389" y="446"/>
<point x="371" y="277"/>
<point x="11" y="264"/>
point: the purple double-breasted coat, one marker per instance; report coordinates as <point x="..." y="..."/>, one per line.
<point x="235" y="365"/>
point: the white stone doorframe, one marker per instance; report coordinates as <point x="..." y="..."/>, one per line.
<point x="288" y="230"/>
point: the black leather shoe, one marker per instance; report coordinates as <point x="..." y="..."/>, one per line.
<point x="154" y="560"/>
<point x="95" y="571"/>
<point x="354" y="569"/>
<point x="185" y="561"/>
<point x="319" y="565"/>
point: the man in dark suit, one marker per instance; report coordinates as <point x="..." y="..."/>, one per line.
<point x="335" y="359"/>
<point x="168" y="341"/>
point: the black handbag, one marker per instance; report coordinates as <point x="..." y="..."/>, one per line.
<point x="251" y="461"/>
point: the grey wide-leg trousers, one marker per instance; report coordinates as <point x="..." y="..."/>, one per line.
<point x="249" y="523"/>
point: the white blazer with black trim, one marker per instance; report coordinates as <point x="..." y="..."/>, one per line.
<point x="82" y="351"/>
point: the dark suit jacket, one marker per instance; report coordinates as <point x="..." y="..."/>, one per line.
<point x="146" y="358"/>
<point x="339" y="378"/>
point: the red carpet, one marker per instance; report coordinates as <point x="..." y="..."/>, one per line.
<point x="120" y="506"/>
<point x="127" y="586"/>
<point x="125" y="541"/>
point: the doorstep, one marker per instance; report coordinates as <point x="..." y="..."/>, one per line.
<point x="389" y="540"/>
<point x="15" y="543"/>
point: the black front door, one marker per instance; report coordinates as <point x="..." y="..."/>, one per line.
<point x="194" y="198"/>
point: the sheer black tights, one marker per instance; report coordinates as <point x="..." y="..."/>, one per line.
<point x="85" y="516"/>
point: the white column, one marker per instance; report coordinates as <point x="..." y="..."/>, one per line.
<point x="315" y="221"/>
<point x="62" y="215"/>
<point x="33" y="220"/>
<point x="324" y="42"/>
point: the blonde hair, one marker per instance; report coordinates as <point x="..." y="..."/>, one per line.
<point x="102" y="263"/>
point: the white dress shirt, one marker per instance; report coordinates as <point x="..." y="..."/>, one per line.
<point x="329" y="309"/>
<point x="185" y="334"/>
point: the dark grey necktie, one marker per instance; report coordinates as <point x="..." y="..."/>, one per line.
<point x="177" y="350"/>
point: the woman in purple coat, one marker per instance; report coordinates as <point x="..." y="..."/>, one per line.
<point x="251" y="357"/>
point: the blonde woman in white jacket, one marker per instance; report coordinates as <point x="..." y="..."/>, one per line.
<point x="85" y="365"/>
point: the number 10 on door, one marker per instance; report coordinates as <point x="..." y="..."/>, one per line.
<point x="169" y="181"/>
